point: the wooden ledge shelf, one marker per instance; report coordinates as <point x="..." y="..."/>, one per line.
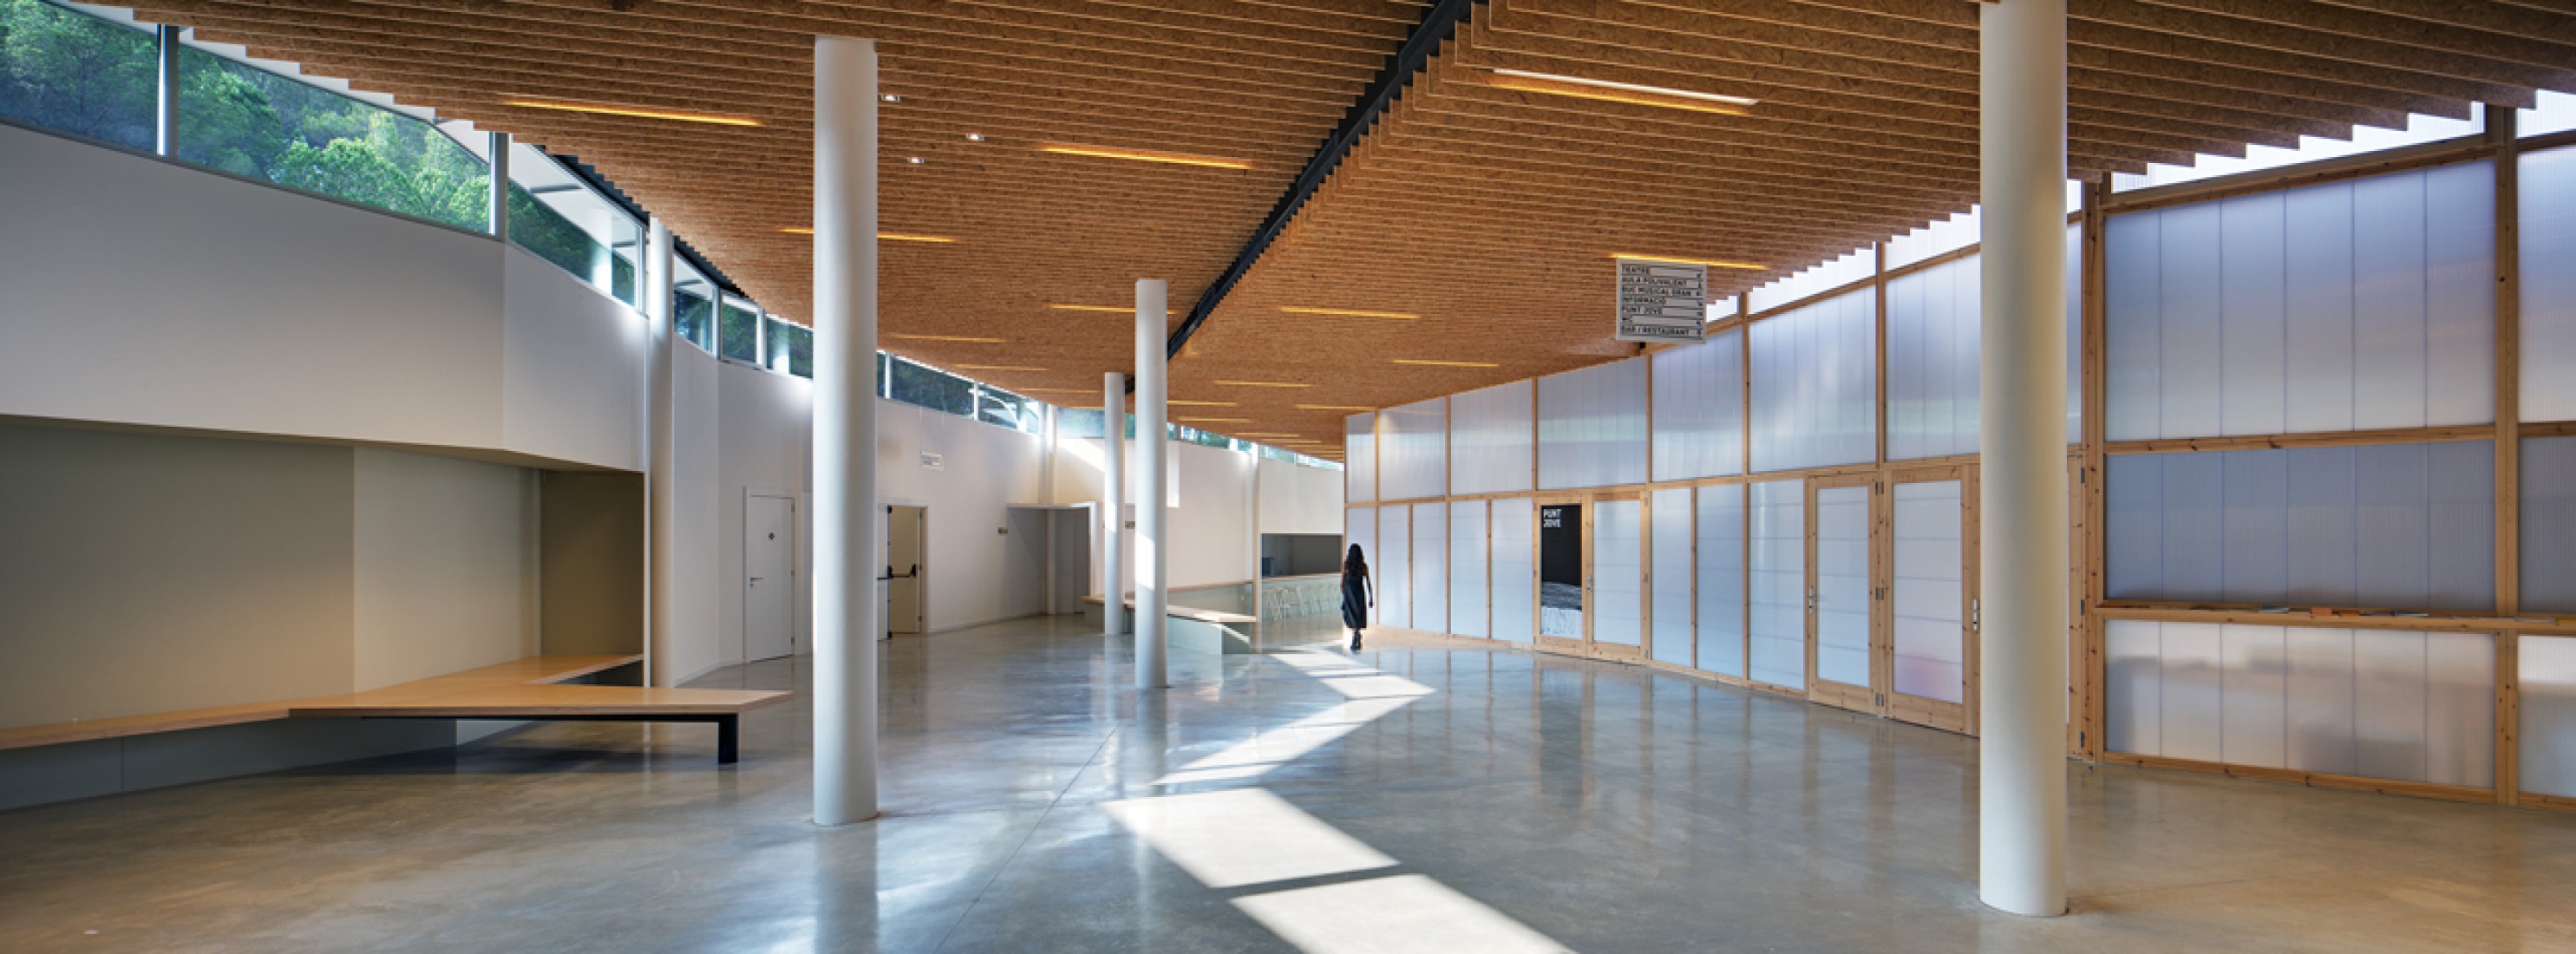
<point x="531" y="688"/>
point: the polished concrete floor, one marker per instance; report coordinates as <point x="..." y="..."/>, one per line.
<point x="1414" y="797"/>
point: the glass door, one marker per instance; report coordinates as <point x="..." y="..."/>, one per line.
<point x="1932" y="648"/>
<point x="1842" y="593"/>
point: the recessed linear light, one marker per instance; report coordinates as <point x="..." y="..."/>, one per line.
<point x="890" y="97"/>
<point x="994" y="367"/>
<point x="708" y="118"/>
<point x="1332" y="407"/>
<point x="974" y="137"/>
<point x="1144" y="155"/>
<point x="881" y="236"/>
<point x="915" y="160"/>
<point x="1710" y="262"/>
<point x="956" y="338"/>
<point x="1445" y="364"/>
<point x="1106" y="309"/>
<point x="1617" y="92"/>
<point x="1348" y="313"/>
<point x="1263" y="384"/>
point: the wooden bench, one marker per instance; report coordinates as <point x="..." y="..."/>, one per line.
<point x="526" y="689"/>
<point x="1207" y="630"/>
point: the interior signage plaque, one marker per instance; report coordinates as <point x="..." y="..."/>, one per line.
<point x="1662" y="301"/>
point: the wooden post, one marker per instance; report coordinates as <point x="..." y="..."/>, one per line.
<point x="2508" y="447"/>
<point x="2094" y="300"/>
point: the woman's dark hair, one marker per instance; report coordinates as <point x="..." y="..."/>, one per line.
<point x="1354" y="562"/>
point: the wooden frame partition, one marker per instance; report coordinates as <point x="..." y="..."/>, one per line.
<point x="2088" y="461"/>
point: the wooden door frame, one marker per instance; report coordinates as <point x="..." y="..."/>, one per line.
<point x="1953" y="716"/>
<point x="1591" y="604"/>
<point x="1867" y="698"/>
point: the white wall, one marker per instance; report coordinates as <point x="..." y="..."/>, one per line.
<point x="1211" y="531"/>
<point x="445" y="566"/>
<point x="573" y="387"/>
<point x="143" y="292"/>
<point x="697" y="580"/>
<point x="1298" y="499"/>
<point x="147" y="573"/>
<point x="764" y="435"/>
<point x="983" y="470"/>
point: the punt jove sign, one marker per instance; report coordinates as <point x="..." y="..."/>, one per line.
<point x="1662" y="301"/>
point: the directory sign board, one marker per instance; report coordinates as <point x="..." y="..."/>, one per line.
<point x="1662" y="301"/>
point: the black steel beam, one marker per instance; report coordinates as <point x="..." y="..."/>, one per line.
<point x="1438" y="24"/>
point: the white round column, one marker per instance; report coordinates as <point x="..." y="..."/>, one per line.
<point x="1113" y="503"/>
<point x="846" y="548"/>
<point x="1151" y="542"/>
<point x="2021" y="766"/>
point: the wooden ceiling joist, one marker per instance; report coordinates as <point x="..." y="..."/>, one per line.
<point x="1388" y="172"/>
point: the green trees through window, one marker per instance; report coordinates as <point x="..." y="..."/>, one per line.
<point x="254" y="123"/>
<point x="77" y="73"/>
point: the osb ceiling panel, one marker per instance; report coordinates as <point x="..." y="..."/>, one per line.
<point x="1488" y="213"/>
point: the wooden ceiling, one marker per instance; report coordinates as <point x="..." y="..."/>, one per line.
<point x="1487" y="212"/>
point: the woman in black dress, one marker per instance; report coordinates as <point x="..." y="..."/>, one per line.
<point x="1358" y="594"/>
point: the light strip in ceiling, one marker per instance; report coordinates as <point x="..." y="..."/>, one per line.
<point x="958" y="338"/>
<point x="708" y="118"/>
<point x="1613" y="91"/>
<point x="1144" y="155"/>
<point x="1710" y="262"/>
<point x="1349" y="313"/>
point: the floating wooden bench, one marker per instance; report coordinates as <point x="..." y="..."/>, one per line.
<point x="1207" y="630"/>
<point x="530" y="689"/>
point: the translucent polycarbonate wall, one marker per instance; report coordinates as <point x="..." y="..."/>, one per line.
<point x="1929" y="597"/>
<point x="2548" y="733"/>
<point x="1815" y="385"/>
<point x="1592" y="426"/>
<point x="1467" y="596"/>
<point x="1618" y="572"/>
<point x="2348" y="306"/>
<point x="1842" y="585"/>
<point x="1490" y="435"/>
<point x="1395" y="566"/>
<point x="1514" y="523"/>
<point x="1777" y="581"/>
<point x="1699" y="409"/>
<point x="1413" y="451"/>
<point x="2392" y="704"/>
<point x="1430" y="594"/>
<point x="1933" y="321"/>
<point x="2548" y="191"/>
<point x="2407" y="526"/>
<point x="1720" y="533"/>
<point x="1670" y="578"/>
<point x="1359" y="458"/>
<point x="1932" y="331"/>
<point x="2549" y="524"/>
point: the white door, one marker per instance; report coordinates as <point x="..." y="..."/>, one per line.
<point x="904" y="558"/>
<point x="769" y="571"/>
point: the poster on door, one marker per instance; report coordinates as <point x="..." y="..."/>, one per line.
<point x="1560" y="571"/>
